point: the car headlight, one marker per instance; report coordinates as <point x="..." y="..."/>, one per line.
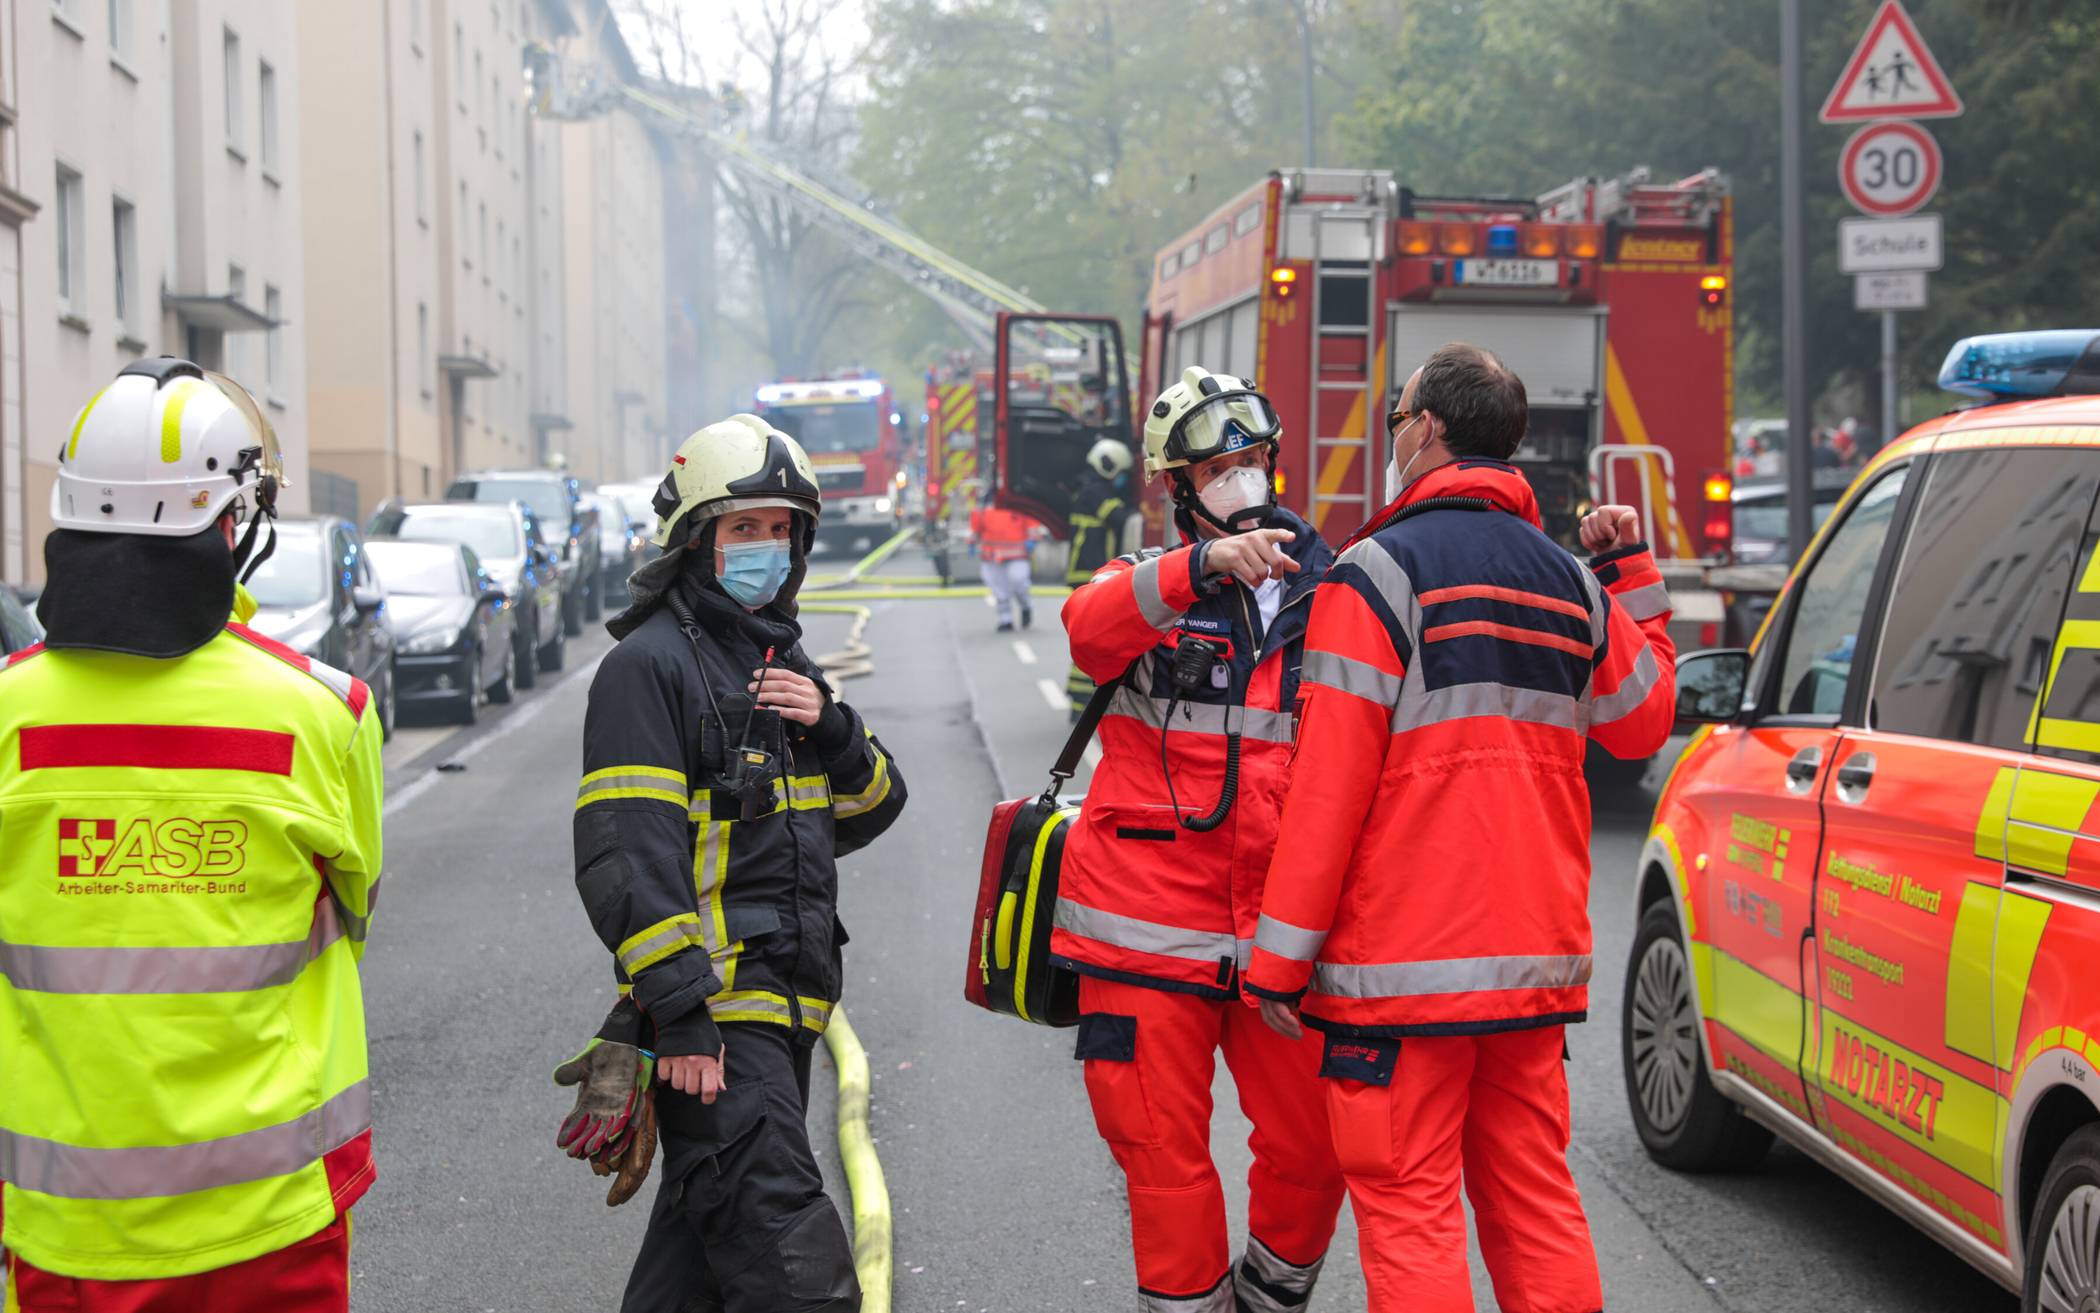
<point x="431" y="640"/>
<point x="882" y="506"/>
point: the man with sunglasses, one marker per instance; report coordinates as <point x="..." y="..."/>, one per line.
<point x="193" y="852"/>
<point x="1162" y="872"/>
<point x="1431" y="918"/>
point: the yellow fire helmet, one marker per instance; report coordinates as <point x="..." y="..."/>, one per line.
<point x="1108" y="458"/>
<point x="737" y="464"/>
<point x="1205" y="415"/>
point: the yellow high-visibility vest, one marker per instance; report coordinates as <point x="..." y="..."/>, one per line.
<point x="190" y="860"/>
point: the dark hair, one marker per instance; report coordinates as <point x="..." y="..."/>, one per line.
<point x="1481" y="402"/>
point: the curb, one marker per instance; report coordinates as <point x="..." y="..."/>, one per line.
<point x="871" y="1194"/>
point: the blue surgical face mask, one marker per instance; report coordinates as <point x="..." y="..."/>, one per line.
<point x="753" y="573"/>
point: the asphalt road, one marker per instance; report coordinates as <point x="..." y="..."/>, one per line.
<point x="483" y="975"/>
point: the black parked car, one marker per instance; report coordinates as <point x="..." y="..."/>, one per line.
<point x="622" y="544"/>
<point x="505" y="539"/>
<point x="317" y="595"/>
<point x="555" y="500"/>
<point x="455" y="631"/>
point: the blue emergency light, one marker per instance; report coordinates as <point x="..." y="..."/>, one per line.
<point x="1502" y="239"/>
<point x="2054" y="362"/>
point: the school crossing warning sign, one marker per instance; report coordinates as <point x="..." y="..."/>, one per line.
<point x="1891" y="75"/>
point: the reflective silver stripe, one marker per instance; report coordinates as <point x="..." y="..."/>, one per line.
<point x="1348" y="675"/>
<point x="337" y="680"/>
<point x="740" y="1006"/>
<point x="1218" y="1299"/>
<point x="1129" y="932"/>
<point x="1433" y="706"/>
<point x="1390" y="580"/>
<point x="1286" y="940"/>
<point x="1145" y="583"/>
<point x="1457" y="975"/>
<point x="1272" y="1277"/>
<point x="1644" y="603"/>
<point x="867" y="799"/>
<point x="654" y="783"/>
<point x="714" y="839"/>
<point x="43" y="969"/>
<point x="356" y="927"/>
<point x="1631" y="693"/>
<point x="688" y="929"/>
<point x="1253" y="723"/>
<point x="72" y="1171"/>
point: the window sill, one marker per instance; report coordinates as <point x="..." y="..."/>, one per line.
<point x="122" y="65"/>
<point x="269" y="175"/>
<point x="131" y="342"/>
<point x="238" y="154"/>
<point x="68" y="22"/>
<point x="423" y="222"/>
<point x="278" y="404"/>
<point x="75" y="322"/>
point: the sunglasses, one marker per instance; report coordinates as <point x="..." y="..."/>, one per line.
<point x="1401" y="415"/>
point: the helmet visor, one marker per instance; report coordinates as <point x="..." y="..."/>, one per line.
<point x="267" y="465"/>
<point x="1222" y="423"/>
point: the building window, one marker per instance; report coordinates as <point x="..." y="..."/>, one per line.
<point x="273" y="344"/>
<point x="124" y="228"/>
<point x="120" y="30"/>
<point x="484" y="241"/>
<point x="266" y="96"/>
<point x="236" y="344"/>
<point x="466" y="257"/>
<point x="423" y="349"/>
<point x="459" y="64"/>
<point x="67" y="12"/>
<point x="71" y="219"/>
<point x="422" y="184"/>
<point x="231" y="44"/>
<point x="415" y="25"/>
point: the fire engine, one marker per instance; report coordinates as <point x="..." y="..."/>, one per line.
<point x="950" y="444"/>
<point x="1608" y="298"/>
<point x="850" y="427"/>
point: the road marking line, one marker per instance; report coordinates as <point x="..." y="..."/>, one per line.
<point x="511" y="724"/>
<point x="1025" y="652"/>
<point x="871" y="1194"/>
<point x="1052" y="694"/>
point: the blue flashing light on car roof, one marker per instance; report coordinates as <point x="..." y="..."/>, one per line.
<point x="2052" y="362"/>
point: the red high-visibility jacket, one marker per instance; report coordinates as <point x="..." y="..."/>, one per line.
<point x="1002" y="535"/>
<point x="1433" y="867"/>
<point x="1141" y="898"/>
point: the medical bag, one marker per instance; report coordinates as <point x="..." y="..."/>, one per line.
<point x="1008" y="967"/>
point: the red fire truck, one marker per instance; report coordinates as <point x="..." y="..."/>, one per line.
<point x="1328" y="286"/>
<point x="950" y="436"/>
<point x="850" y="427"/>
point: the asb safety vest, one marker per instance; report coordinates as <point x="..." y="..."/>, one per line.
<point x="192" y="854"/>
<point x="1141" y="897"/>
<point x="1002" y="535"/>
<point x="1433" y="867"/>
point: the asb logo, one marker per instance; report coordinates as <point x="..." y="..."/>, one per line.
<point x="171" y="850"/>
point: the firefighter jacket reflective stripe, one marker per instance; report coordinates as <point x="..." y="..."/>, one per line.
<point x="192" y="859"/>
<point x="1142" y="898"/>
<point x="708" y="891"/>
<point x="1438" y="826"/>
<point x="1002" y="535"/>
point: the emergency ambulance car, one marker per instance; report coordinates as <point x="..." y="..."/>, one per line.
<point x="1869" y="908"/>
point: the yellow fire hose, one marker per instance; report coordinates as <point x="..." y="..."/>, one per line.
<point x="871" y="1194"/>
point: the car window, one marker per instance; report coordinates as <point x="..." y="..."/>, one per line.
<point x="18" y="628"/>
<point x="1979" y="591"/>
<point x="295" y="573"/>
<point x="2066" y="719"/>
<point x="548" y="498"/>
<point x="493" y="536"/>
<point x="1830" y="601"/>
<point x="414" y="571"/>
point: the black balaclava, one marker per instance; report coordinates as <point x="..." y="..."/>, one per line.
<point x="133" y="593"/>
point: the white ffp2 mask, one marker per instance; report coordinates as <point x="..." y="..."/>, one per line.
<point x="1234" y="491"/>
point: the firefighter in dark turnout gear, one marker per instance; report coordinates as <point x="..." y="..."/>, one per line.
<point x="721" y="781"/>
<point x="1097" y="539"/>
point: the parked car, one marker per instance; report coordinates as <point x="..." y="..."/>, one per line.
<point x="639" y="501"/>
<point x="1758" y="554"/>
<point x="455" y="630"/>
<point x="505" y="539"/>
<point x="621" y="544"/>
<point x="555" y="500"/>
<point x="19" y="629"/>
<point x="317" y="595"/>
<point x="1870" y="897"/>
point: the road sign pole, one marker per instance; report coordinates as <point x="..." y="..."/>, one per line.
<point x="1891" y="422"/>
<point x="1793" y="282"/>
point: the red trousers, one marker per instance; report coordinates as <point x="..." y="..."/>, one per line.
<point x="312" y="1276"/>
<point x="1149" y="1063"/>
<point x="1494" y="1110"/>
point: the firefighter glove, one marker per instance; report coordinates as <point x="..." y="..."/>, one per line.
<point x="611" y="1080"/>
<point x="630" y="1166"/>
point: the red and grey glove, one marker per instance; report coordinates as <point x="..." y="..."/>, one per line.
<point x="611" y="1080"/>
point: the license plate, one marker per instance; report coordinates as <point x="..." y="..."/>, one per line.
<point x="1508" y="273"/>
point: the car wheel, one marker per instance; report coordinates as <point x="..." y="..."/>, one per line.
<point x="523" y="666"/>
<point x="468" y="709"/>
<point x="572" y="613"/>
<point x="594" y="603"/>
<point x="503" y="689"/>
<point x="2063" y="1236"/>
<point x="386" y="704"/>
<point x="551" y="655"/>
<point x="1684" y="1122"/>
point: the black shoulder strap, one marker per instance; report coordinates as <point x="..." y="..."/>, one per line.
<point x="1082" y="734"/>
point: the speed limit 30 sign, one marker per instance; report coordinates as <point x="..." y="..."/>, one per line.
<point x="1890" y="169"/>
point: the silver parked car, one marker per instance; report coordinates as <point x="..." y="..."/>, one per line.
<point x="455" y="629"/>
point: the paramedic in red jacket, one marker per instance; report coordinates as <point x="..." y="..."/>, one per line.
<point x="1160" y="881"/>
<point x="1432" y="914"/>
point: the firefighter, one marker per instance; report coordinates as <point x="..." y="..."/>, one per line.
<point x="1435" y="899"/>
<point x="1002" y="540"/>
<point x="193" y="815"/>
<point x="1097" y="534"/>
<point x="1159" y="881"/>
<point x="721" y="781"/>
